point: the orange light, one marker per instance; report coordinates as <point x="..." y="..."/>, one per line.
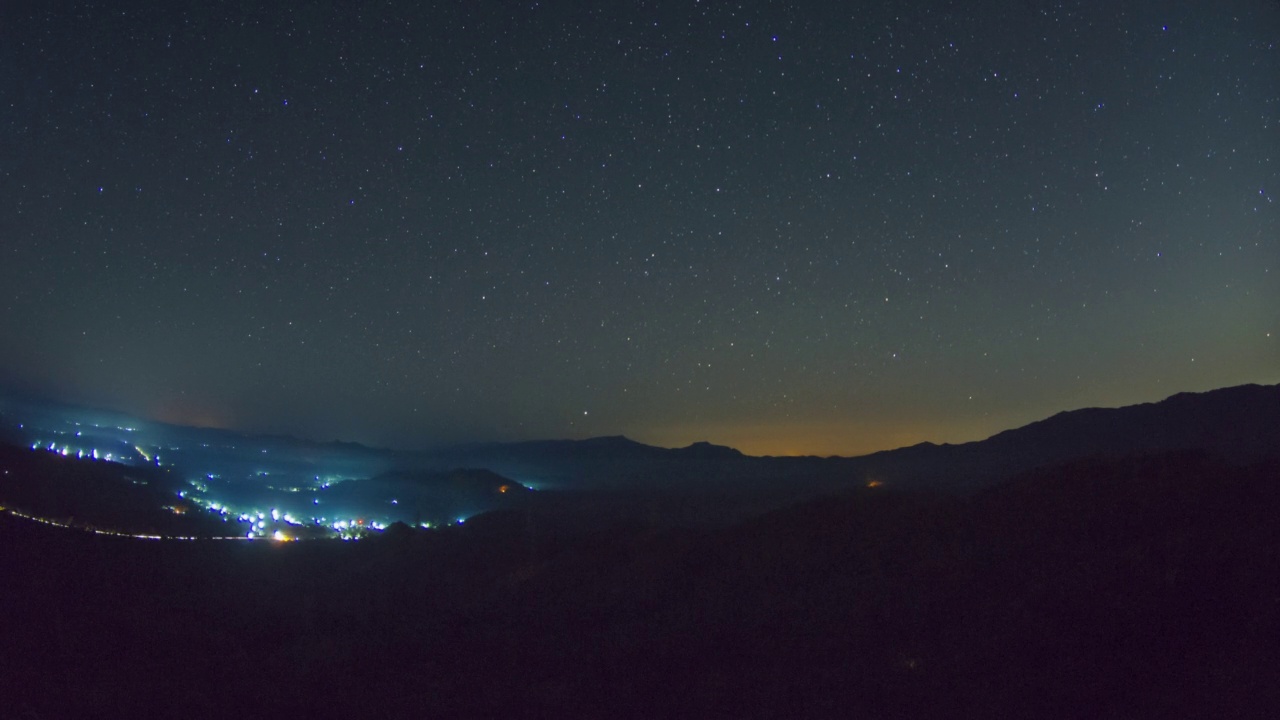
<point x="874" y="483"/>
<point x="504" y="488"/>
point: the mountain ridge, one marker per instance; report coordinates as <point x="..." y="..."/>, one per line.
<point x="1239" y="423"/>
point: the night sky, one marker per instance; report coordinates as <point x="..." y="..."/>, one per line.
<point x="791" y="228"/>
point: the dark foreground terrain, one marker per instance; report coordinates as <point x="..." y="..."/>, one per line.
<point x="1141" y="587"/>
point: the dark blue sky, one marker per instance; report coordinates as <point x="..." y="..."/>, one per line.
<point x="787" y="227"/>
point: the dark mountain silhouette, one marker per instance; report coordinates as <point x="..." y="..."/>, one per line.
<point x="620" y="479"/>
<point x="707" y="451"/>
<point x="1240" y="424"/>
<point x="613" y="448"/>
<point x="1137" y="587"/>
<point x="1099" y="563"/>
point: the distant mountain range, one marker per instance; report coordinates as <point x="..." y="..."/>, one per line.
<point x="1100" y="562"/>
<point x="1238" y="424"/>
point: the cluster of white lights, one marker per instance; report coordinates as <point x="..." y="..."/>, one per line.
<point x="260" y="524"/>
<point x="66" y="451"/>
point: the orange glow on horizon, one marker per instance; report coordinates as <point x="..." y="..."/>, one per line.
<point x="822" y="439"/>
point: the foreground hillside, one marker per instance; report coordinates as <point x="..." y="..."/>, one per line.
<point x="1123" y="588"/>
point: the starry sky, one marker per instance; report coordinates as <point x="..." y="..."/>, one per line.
<point x="827" y="228"/>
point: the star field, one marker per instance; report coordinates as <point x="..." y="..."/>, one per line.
<point x="786" y="227"/>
